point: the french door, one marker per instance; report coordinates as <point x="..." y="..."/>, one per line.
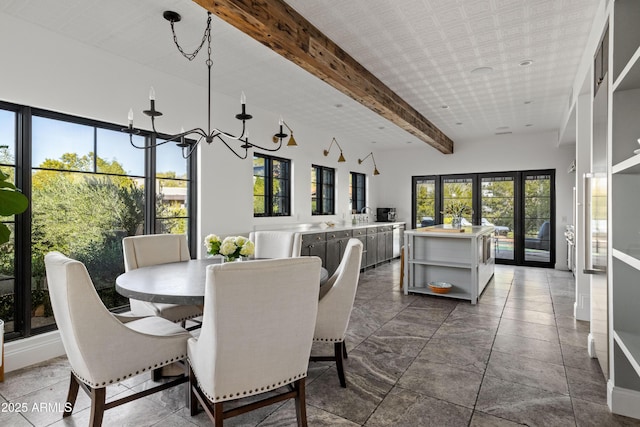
<point x="520" y="205"/>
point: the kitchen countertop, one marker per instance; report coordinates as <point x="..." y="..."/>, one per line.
<point x="317" y="228"/>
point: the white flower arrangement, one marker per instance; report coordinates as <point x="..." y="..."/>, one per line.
<point x="231" y="247"/>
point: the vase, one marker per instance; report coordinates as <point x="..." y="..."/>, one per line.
<point x="456" y="222"/>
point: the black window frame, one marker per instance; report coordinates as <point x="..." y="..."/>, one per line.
<point x="269" y="178"/>
<point x="355" y="187"/>
<point x="23" y="252"/>
<point x="320" y="195"/>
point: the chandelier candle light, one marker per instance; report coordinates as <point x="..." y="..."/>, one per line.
<point x="210" y="134"/>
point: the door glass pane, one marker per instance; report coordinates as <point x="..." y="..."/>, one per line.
<point x="497" y="211"/>
<point x="537" y="218"/>
<point x="459" y="190"/>
<point x="425" y="194"/>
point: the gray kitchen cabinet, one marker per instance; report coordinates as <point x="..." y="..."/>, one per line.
<point x="336" y="244"/>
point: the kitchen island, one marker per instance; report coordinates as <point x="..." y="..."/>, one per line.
<point x="462" y="257"/>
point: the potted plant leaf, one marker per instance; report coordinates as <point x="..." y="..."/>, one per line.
<point x="12" y="202"/>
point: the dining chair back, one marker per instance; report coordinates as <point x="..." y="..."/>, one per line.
<point x="154" y="249"/>
<point x="256" y="335"/>
<point x="337" y="296"/>
<point x="101" y="349"/>
<point x="276" y="244"/>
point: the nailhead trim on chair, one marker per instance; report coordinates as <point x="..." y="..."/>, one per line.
<point x="329" y="339"/>
<point x="124" y="377"/>
<point x="249" y="392"/>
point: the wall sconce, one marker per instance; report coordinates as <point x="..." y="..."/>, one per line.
<point x="341" y="159"/>
<point x="292" y="141"/>
<point x="375" y="168"/>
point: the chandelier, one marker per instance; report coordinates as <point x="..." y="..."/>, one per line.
<point x="182" y="139"/>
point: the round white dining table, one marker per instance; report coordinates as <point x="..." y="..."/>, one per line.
<point x="173" y="283"/>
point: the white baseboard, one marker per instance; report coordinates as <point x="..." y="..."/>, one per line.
<point x="623" y="401"/>
<point x="591" y="346"/>
<point x="29" y="351"/>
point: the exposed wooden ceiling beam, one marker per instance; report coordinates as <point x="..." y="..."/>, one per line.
<point x="279" y="27"/>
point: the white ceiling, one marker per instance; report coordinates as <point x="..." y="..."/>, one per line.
<point x="424" y="50"/>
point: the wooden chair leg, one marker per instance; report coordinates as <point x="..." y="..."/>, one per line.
<point x="344" y="350"/>
<point x="301" y="403"/>
<point x="337" y="348"/>
<point x="98" y="401"/>
<point x="192" y="400"/>
<point x="72" y="395"/>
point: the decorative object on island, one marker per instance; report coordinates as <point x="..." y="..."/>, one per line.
<point x="375" y="168"/>
<point x="456" y="209"/>
<point x="440" y="287"/>
<point x="292" y="142"/>
<point x="341" y="159"/>
<point x="231" y="248"/>
<point x="188" y="147"/>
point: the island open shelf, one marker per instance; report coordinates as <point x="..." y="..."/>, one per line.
<point x="462" y="257"/>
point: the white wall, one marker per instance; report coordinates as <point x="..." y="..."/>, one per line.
<point x="501" y="153"/>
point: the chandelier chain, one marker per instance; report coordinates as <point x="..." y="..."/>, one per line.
<point x="206" y="36"/>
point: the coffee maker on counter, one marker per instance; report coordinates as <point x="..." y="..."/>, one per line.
<point x="386" y="214"/>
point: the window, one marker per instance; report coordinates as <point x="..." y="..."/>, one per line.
<point x="357" y="192"/>
<point x="271" y="186"/>
<point x="322" y="190"/>
<point x="88" y="188"/>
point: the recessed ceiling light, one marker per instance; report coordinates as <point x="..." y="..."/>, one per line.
<point x="529" y="125"/>
<point x="374" y="142"/>
<point x="444" y="107"/>
<point x="527" y="102"/>
<point x="504" y="133"/>
<point x="482" y="70"/>
<point x="380" y="127"/>
<point x="526" y="62"/>
<point x="502" y="127"/>
<point x="458" y="123"/>
<point x="409" y="142"/>
<point x="338" y="105"/>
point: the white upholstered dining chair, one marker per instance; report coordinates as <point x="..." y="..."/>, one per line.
<point x="154" y="249"/>
<point x="256" y="335"/>
<point x="336" y="302"/>
<point x="276" y="244"/>
<point x="103" y="348"/>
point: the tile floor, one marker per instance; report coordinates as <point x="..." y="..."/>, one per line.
<point x="517" y="357"/>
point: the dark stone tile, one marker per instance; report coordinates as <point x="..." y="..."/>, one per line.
<point x="478" y="320"/>
<point x="527" y="371"/>
<point x="573" y="337"/>
<point x="286" y="416"/>
<point x="465" y="334"/>
<point x="589" y="414"/>
<point x="526" y="304"/>
<point x="481" y="419"/>
<point x="404" y="408"/>
<point x="480" y="308"/>
<point x="392" y="340"/>
<point x="529" y="316"/>
<point x="382" y="366"/>
<point x="546" y="351"/>
<point x="465" y="357"/>
<point x="442" y="381"/>
<point x="578" y="357"/>
<point x="355" y="403"/>
<point x="570" y="322"/>
<point x="528" y="329"/>
<point x="522" y="404"/>
<point x="412" y="322"/>
<point x="587" y="385"/>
